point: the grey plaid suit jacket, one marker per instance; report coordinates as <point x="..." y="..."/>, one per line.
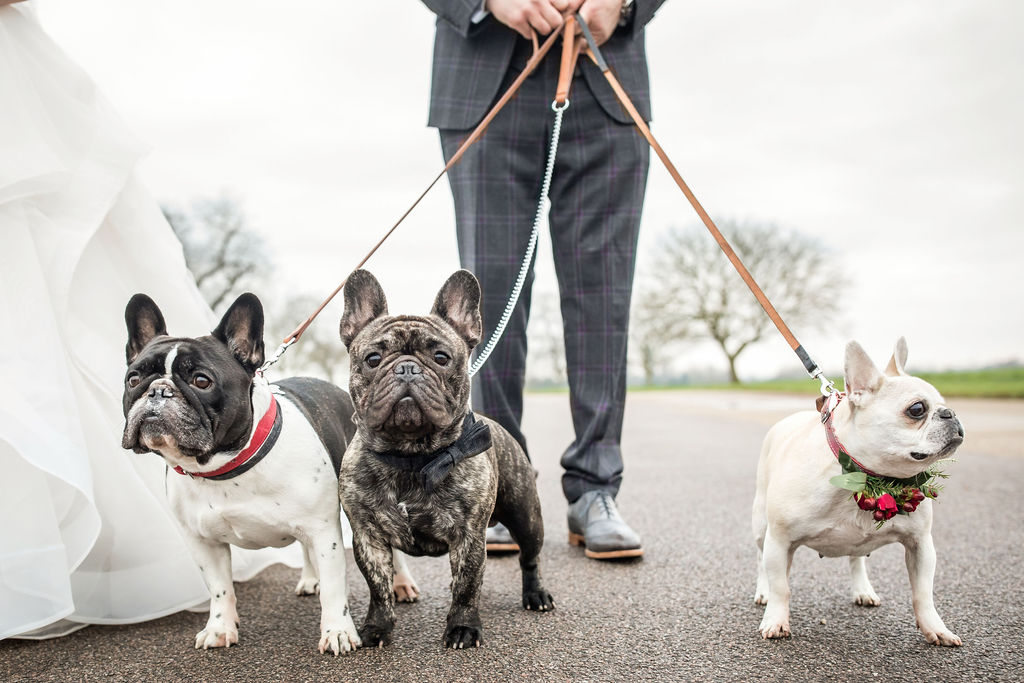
<point x="470" y="61"/>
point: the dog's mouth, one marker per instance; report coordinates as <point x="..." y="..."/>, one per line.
<point x="149" y="430"/>
<point x="407" y="417"/>
<point x="950" y="446"/>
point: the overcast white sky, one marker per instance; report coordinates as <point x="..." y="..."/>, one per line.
<point x="892" y="131"/>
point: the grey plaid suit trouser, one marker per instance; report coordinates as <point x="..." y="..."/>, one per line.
<point x="597" y="193"/>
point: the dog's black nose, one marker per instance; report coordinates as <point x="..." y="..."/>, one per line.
<point x="408" y="370"/>
<point x="945" y="413"/>
<point x="161" y="391"/>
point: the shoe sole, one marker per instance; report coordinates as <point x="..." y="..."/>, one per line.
<point x="503" y="547"/>
<point x="578" y="541"/>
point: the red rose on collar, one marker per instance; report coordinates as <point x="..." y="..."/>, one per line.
<point x="886" y="504"/>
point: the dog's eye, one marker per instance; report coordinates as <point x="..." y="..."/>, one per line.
<point x="202" y="382"/>
<point x="373" y="360"/>
<point x="917" y="410"/>
<point x="441" y="358"/>
<point x="134" y="380"/>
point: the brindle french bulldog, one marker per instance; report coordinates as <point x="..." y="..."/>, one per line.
<point x="423" y="473"/>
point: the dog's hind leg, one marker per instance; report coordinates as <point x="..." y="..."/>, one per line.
<point x="404" y="586"/>
<point x="863" y="593"/>
<point x="309" y="581"/>
<point x="778" y="556"/>
<point x="527" y="528"/>
<point x="760" y="527"/>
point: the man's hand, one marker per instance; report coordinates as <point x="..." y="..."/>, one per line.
<point x="602" y="17"/>
<point x="526" y="16"/>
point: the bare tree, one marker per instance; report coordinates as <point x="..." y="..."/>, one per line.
<point x="224" y="255"/>
<point x="699" y="295"/>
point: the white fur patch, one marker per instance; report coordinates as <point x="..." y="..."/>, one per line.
<point x="169" y="361"/>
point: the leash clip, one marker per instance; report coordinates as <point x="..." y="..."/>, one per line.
<point x="276" y="356"/>
<point x="828" y="388"/>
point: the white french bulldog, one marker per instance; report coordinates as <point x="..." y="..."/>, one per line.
<point x="892" y="425"/>
<point x="249" y="464"/>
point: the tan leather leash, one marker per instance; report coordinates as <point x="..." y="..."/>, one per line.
<point x="531" y="65"/>
<point x="570" y="54"/>
<point x="827" y="388"/>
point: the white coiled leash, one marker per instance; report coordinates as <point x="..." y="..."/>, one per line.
<point x="543" y="206"/>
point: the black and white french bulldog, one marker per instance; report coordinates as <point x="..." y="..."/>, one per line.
<point x="249" y="464"/>
<point x="424" y="474"/>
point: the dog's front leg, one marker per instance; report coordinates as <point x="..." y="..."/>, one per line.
<point x="777" y="557"/>
<point x="375" y="562"/>
<point x="337" y="630"/>
<point x="920" y="555"/>
<point x="214" y="561"/>
<point x="467" y="560"/>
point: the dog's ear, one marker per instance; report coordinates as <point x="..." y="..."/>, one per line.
<point x="145" y="322"/>
<point x="862" y="377"/>
<point x="241" y="329"/>
<point x="458" y="304"/>
<point x="364" y="303"/>
<point x="899" y="359"/>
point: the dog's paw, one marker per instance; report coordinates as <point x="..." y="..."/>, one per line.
<point x="538" y="600"/>
<point x="943" y="637"/>
<point x="867" y="599"/>
<point x="774" y="628"/>
<point x="340" y="638"/>
<point x="372" y="635"/>
<point x="217" y="635"/>
<point x="461" y="637"/>
<point x="761" y="598"/>
<point x="308" y="585"/>
<point x="405" y="588"/>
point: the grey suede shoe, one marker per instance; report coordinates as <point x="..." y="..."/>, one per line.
<point x="595" y="522"/>
<point x="499" y="540"/>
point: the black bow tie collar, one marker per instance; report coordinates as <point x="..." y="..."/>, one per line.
<point x="435" y="467"/>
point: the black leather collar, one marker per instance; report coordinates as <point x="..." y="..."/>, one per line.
<point x="435" y="467"/>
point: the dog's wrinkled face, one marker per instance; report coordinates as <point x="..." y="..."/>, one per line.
<point x="900" y="423"/>
<point x="409" y="374"/>
<point x="188" y="399"/>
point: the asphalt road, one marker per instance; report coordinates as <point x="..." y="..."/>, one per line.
<point x="684" y="612"/>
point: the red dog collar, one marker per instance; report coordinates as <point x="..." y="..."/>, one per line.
<point x="263" y="439"/>
<point x="830" y="432"/>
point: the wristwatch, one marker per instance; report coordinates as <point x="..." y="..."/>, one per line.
<point x="627" y="12"/>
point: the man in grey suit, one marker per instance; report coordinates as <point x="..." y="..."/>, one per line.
<point x="597" y="192"/>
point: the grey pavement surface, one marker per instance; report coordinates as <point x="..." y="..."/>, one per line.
<point x="685" y="612"/>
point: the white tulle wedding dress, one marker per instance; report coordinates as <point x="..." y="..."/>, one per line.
<point x="85" y="533"/>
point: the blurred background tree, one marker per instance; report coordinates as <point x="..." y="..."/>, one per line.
<point x="225" y="255"/>
<point x="691" y="291"/>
